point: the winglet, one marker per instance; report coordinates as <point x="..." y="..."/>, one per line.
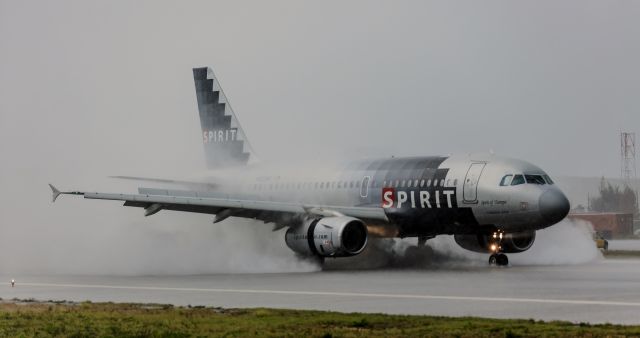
<point x="55" y="192"/>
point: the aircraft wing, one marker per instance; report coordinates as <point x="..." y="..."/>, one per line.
<point x="154" y="200"/>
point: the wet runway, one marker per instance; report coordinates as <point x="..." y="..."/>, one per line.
<point x="604" y="291"/>
<point x="624" y="244"/>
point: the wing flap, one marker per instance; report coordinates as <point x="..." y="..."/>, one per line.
<point x="168" y="181"/>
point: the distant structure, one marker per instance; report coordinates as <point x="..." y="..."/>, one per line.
<point x="628" y="158"/>
<point x="628" y="171"/>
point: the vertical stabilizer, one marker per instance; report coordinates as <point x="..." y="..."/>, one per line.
<point x="225" y="143"/>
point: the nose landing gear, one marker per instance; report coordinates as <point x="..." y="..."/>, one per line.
<point x="497" y="257"/>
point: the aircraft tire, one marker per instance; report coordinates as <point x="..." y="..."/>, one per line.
<point x="493" y="260"/>
<point x="502" y="260"/>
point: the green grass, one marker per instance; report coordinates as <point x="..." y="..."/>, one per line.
<point x="620" y="253"/>
<point x="139" y="320"/>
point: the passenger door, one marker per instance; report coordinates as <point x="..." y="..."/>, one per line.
<point x="364" y="188"/>
<point x="470" y="188"/>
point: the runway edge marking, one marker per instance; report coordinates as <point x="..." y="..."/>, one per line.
<point x="345" y="294"/>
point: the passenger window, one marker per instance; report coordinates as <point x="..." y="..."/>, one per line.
<point x="415" y="183"/>
<point x="421" y="183"/>
<point x="435" y="183"/>
<point x="442" y="182"/>
<point x="384" y="184"/>
<point x="548" y="179"/>
<point x="402" y="184"/>
<point x="429" y="183"/>
<point x="506" y="180"/>
<point x="535" y="179"/>
<point x="397" y="184"/>
<point x="517" y="180"/>
<point x="409" y="184"/>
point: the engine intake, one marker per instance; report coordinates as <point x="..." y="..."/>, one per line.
<point x="328" y="237"/>
<point x="511" y="242"/>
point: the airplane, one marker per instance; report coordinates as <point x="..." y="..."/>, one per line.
<point x="490" y="204"/>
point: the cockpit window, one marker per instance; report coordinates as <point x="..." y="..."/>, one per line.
<point x="506" y="180"/>
<point x="535" y="179"/>
<point x="517" y="180"/>
<point x="548" y="179"/>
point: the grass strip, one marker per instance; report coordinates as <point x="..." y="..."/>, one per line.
<point x="63" y="319"/>
<point x="621" y="253"/>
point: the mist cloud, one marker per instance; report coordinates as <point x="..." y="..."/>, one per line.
<point x="91" y="89"/>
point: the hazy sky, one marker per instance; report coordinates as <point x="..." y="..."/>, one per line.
<point x="89" y="89"/>
<point x="108" y="84"/>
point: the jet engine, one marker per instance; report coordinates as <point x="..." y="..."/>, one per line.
<point x="339" y="236"/>
<point x="511" y="242"/>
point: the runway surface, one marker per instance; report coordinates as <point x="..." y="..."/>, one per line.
<point x="624" y="244"/>
<point x="604" y="291"/>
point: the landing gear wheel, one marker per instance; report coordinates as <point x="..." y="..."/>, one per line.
<point x="493" y="260"/>
<point x="412" y="251"/>
<point x="499" y="259"/>
<point x="502" y="260"/>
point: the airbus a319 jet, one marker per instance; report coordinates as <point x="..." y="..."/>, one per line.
<point x="489" y="204"/>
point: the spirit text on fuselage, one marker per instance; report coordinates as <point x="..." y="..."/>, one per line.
<point x="425" y="199"/>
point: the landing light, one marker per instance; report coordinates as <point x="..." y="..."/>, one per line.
<point x="493" y="247"/>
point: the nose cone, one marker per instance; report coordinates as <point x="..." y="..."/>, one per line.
<point x="553" y="205"/>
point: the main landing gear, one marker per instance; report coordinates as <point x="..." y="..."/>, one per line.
<point x="497" y="257"/>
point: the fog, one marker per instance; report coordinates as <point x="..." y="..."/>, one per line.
<point x="569" y="242"/>
<point x="89" y="90"/>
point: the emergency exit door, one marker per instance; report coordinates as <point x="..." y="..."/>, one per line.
<point x="470" y="189"/>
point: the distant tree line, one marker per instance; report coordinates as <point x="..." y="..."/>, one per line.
<point x="614" y="199"/>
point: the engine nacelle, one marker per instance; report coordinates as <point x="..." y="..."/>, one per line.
<point x="511" y="242"/>
<point x="328" y="237"/>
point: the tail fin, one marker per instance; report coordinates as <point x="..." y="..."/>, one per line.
<point x="225" y="144"/>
